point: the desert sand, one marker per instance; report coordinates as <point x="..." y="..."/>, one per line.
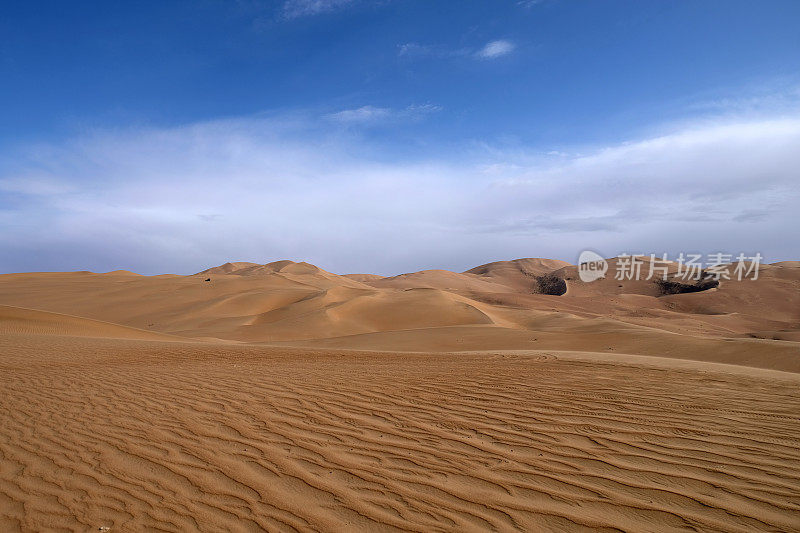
<point x="280" y="396"/>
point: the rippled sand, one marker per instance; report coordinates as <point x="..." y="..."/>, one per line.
<point x="145" y="435"/>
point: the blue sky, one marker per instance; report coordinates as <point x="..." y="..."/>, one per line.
<point x="394" y="135"/>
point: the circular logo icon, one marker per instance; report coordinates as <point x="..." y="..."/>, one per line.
<point x="591" y="266"/>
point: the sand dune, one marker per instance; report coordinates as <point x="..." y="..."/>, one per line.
<point x="363" y="277"/>
<point x="438" y="279"/>
<point x="517" y="274"/>
<point x="285" y="302"/>
<point x="17" y="320"/>
<point x="284" y="397"/>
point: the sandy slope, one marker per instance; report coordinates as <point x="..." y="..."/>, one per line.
<point x="138" y="435"/>
<point x="17" y="320"/>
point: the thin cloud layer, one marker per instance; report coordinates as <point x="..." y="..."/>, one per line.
<point x="491" y="50"/>
<point x="495" y="49"/>
<point x="261" y="189"/>
<point x="303" y="8"/>
<point x="365" y="113"/>
<point x="370" y="114"/>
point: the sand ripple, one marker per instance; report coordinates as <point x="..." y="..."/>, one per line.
<point x="137" y="435"/>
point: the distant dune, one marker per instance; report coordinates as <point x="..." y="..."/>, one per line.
<point x="503" y="304"/>
<point x="283" y="397"/>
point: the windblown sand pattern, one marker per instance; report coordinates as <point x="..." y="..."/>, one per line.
<point x="144" y="435"/>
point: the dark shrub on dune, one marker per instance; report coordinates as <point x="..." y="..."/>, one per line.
<point x="676" y="287"/>
<point x="551" y="284"/>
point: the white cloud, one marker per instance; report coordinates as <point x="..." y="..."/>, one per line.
<point x="490" y="50"/>
<point x="369" y="114"/>
<point x="416" y="50"/>
<point x="420" y="110"/>
<point x="365" y="113"/>
<point x="494" y="49"/>
<point x="413" y="49"/>
<point x="775" y="97"/>
<point x="180" y="199"/>
<point x="717" y="171"/>
<point x="302" y="8"/>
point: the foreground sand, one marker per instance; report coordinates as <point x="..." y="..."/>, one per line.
<point x="175" y="436"/>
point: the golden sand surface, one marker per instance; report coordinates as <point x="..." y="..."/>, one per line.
<point x="281" y="397"/>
